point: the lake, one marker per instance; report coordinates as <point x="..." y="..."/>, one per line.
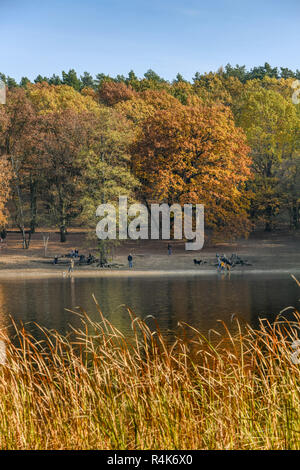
<point x="197" y="300"/>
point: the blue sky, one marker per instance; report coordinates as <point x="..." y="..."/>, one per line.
<point x="168" y="36"/>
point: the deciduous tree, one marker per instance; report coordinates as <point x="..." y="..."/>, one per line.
<point x="194" y="153"/>
<point x="272" y="127"/>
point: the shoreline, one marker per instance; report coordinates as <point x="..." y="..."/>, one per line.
<point x="267" y="254"/>
<point x="38" y="273"/>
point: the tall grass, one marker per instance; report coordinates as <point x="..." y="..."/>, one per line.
<point x="103" y="391"/>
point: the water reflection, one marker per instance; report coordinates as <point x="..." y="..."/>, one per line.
<point x="191" y="299"/>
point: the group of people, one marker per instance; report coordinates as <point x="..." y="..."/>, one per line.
<point x="90" y="259"/>
<point x="224" y="264"/>
<point x="75" y="254"/>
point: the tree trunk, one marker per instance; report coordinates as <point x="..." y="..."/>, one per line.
<point x="33" y="205"/>
<point x="62" y="213"/>
<point x="63" y="233"/>
<point x="102" y="253"/>
<point x="295" y="215"/>
<point x="25" y="240"/>
<point x="19" y="206"/>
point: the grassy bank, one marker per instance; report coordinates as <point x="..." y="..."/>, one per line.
<point x="100" y="391"/>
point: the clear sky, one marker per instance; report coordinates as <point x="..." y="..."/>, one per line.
<point x="168" y="36"/>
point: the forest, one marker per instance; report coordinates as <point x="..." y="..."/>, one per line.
<point x="228" y="139"/>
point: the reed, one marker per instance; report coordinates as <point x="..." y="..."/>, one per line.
<point x="100" y="390"/>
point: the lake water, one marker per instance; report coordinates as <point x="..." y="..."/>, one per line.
<point x="197" y="300"/>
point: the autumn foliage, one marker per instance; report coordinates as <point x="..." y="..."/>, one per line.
<point x="194" y="153"/>
<point x="112" y="93"/>
<point x="228" y="140"/>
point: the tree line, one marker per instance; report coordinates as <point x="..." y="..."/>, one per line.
<point x="87" y="80"/>
<point x="229" y="140"/>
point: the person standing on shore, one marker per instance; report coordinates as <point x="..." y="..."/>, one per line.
<point x="169" y="249"/>
<point x="130" y="259"/>
<point x="71" y="267"/>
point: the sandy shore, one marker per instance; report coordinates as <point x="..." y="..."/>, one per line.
<point x="40" y="273"/>
<point x="267" y="253"/>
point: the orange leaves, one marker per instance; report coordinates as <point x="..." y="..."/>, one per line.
<point x="112" y="93"/>
<point x="193" y="154"/>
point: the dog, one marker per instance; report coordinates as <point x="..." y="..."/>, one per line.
<point x="200" y="261"/>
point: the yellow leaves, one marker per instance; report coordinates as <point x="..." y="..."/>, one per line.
<point x="211" y="89"/>
<point x="270" y="122"/>
<point x="146" y="104"/>
<point x="54" y="98"/>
